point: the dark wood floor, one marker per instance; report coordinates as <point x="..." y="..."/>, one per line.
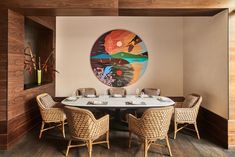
<point x="53" y="145"/>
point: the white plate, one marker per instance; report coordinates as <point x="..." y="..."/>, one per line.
<point x="117" y="95"/>
<point x="90" y="96"/>
<point x="163" y="99"/>
<point x="72" y="98"/>
<point x="144" y="96"/>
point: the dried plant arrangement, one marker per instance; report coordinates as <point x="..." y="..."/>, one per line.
<point x="31" y="65"/>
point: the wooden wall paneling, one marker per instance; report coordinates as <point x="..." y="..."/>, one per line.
<point x="59" y="4"/>
<point x="231" y="121"/>
<point x="3" y="64"/>
<point x="23" y="113"/>
<point x="3" y="78"/>
<point x="15" y="50"/>
<point x="46" y="21"/>
<point x="213" y="127"/>
<point x="169" y="12"/>
<point x="68" y="12"/>
<point x="176" y="4"/>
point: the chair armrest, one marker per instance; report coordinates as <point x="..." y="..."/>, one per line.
<point x="103" y="123"/>
<point x="132" y="117"/>
<point x="133" y="123"/>
<point x="53" y="115"/>
<point x="186" y="115"/>
<point x="178" y="104"/>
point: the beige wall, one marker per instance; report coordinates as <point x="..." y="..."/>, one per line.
<point x="185" y="55"/>
<point x="75" y="37"/>
<point x="206" y="60"/>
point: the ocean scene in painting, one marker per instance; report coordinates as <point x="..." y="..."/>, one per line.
<point x="119" y="58"/>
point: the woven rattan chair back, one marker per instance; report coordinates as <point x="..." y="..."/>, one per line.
<point x="86" y="91"/>
<point x="84" y="127"/>
<point x="41" y="105"/>
<point x="49" y="113"/>
<point x="199" y="100"/>
<point x="187" y="116"/>
<point x="152" y="126"/>
<point x="117" y="90"/>
<point x="152" y="91"/>
<point x="197" y="105"/>
<point x="155" y="122"/>
<point x="81" y="123"/>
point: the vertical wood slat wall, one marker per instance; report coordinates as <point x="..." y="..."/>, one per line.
<point x="18" y="105"/>
<point x="231" y="121"/>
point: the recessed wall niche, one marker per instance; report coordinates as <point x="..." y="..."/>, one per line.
<point x="40" y="40"/>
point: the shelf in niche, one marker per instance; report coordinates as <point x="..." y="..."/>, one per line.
<point x="34" y="85"/>
<point x="41" y="39"/>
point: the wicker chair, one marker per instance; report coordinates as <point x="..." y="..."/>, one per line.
<point x="49" y="113"/>
<point x="151" y="91"/>
<point x="152" y="126"/>
<point x="86" y="91"/>
<point x="84" y="127"/>
<point x="187" y="114"/>
<point x="117" y="90"/>
<point x="148" y="91"/>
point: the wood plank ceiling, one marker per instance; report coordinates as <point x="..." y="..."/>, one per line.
<point x="114" y="7"/>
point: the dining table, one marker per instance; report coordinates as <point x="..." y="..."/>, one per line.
<point x="115" y="105"/>
<point x="128" y="101"/>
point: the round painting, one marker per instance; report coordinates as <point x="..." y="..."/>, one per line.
<point x="119" y="58"/>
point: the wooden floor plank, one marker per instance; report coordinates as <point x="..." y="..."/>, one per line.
<point x="53" y="144"/>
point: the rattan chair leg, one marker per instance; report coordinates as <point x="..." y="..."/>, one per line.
<point x="41" y="130"/>
<point x="195" y="125"/>
<point x="129" y="141"/>
<point x="145" y="148"/>
<point x="168" y="145"/>
<point x="175" y="130"/>
<point x="63" y="132"/>
<point x="107" y="139"/>
<point x="68" y="147"/>
<point x="89" y="147"/>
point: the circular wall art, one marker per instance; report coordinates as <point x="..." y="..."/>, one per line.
<point x="119" y="58"/>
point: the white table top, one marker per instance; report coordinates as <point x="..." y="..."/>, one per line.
<point x="156" y="101"/>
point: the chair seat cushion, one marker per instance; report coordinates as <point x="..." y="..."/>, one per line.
<point x="189" y="101"/>
<point x="117" y="91"/>
<point x="151" y="91"/>
<point x="47" y="101"/>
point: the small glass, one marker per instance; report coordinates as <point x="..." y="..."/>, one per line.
<point x="83" y="92"/>
<point x="137" y="92"/>
<point x="74" y="94"/>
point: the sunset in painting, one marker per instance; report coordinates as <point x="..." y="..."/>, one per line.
<point x="119" y="58"/>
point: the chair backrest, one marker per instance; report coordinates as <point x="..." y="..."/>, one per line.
<point x="117" y="90"/>
<point x="192" y="100"/>
<point x="81" y="123"/>
<point x="155" y="122"/>
<point x="45" y="101"/>
<point x="152" y="91"/>
<point x="86" y="91"/>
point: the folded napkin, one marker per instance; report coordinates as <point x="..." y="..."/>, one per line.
<point x="135" y="103"/>
<point x="163" y="99"/>
<point x="97" y="103"/>
<point x="72" y="98"/>
<point x="144" y="96"/>
<point x="117" y="95"/>
<point x="90" y="96"/>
